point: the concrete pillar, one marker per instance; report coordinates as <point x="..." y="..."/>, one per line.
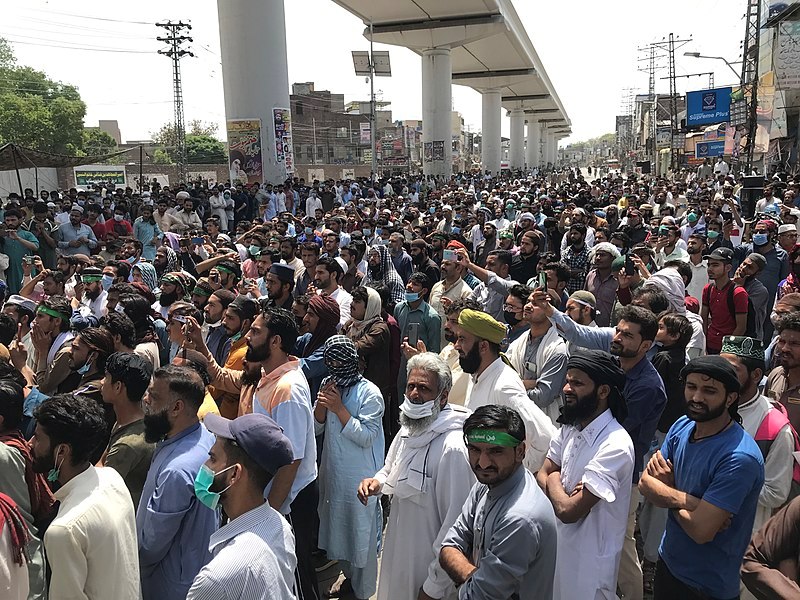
<point x="553" y="148"/>
<point x="437" y="106"/>
<point x="255" y="82"/>
<point x="491" y="114"/>
<point x="532" y="149"/>
<point x="517" y="154"/>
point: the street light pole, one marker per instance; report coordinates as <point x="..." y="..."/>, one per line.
<point x="723" y="59"/>
<point x="372" y="136"/>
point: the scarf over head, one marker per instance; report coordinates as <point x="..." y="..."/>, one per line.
<point x="357" y="329"/>
<point x="341" y="358"/>
<point x="327" y="309"/>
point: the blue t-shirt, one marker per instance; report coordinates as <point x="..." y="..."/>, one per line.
<point x="725" y="470"/>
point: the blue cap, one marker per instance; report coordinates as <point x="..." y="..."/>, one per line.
<point x="257" y="435"/>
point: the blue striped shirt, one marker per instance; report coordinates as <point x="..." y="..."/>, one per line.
<point x="254" y="559"/>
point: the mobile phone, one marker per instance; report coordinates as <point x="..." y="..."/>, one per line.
<point x="197" y="241"/>
<point x="28" y="260"/>
<point x="449" y="255"/>
<point x="541" y="281"/>
<point x="413" y="334"/>
<point x="531" y="367"/>
<point x="630" y="268"/>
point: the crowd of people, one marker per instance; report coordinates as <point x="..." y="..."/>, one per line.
<point x="533" y="385"/>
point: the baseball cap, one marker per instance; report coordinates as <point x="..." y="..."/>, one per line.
<point x="257" y="435"/>
<point x="721" y="254"/>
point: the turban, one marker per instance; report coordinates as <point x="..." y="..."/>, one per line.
<point x="603" y="368"/>
<point x="482" y="326"/>
<point x="715" y="367"/>
<point x="455" y="245"/>
<point x="604" y="247"/>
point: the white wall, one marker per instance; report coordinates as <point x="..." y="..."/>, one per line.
<point x="48" y="180"/>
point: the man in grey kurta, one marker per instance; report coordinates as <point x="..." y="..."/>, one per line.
<point x="507" y="530"/>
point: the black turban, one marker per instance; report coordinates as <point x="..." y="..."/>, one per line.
<point x="715" y="367"/>
<point x="603" y="368"/>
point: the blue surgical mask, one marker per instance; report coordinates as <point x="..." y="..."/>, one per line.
<point x="309" y="230"/>
<point x="366" y="231"/>
<point x="131" y="259"/>
<point x="712" y="235"/>
<point x="759" y="239"/>
<point x="86" y="366"/>
<point x="456" y="229"/>
<point x="202" y="486"/>
<point x="254" y="250"/>
<point x="412" y="296"/>
<point x="378" y="231"/>
<point x="432" y="210"/>
<point x="107" y="281"/>
<point x="52" y="475"/>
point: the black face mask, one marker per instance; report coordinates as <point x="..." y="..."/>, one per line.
<point x="511" y="318"/>
<point x="156" y="427"/>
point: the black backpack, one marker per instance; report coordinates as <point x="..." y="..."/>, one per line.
<point x="750" y="330"/>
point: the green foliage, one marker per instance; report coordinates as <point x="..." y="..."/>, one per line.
<point x="96" y="142"/>
<point x="201" y="145"/>
<point x="609" y="139"/>
<point x="36" y="111"/>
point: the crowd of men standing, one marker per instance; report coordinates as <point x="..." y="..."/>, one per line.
<point x="496" y="384"/>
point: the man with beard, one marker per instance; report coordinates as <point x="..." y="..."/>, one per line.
<point x="423" y="264"/>
<point x="428" y="477"/>
<point x="280" y="282"/>
<point x="709" y="473"/>
<point x="201" y="293"/>
<point x="492" y="381"/>
<point x="400" y="259"/>
<point x="91" y="543"/>
<point x="172" y="291"/>
<point x="236" y="322"/>
<point x="488" y="244"/>
<point x="282" y="393"/>
<point x="351" y="255"/>
<point x="587" y="475"/>
<point x="494" y="283"/>
<point x="216" y="338"/>
<point x="75" y="237"/>
<point x="51" y="336"/>
<point x="309" y="254"/>
<point x="381" y="270"/>
<point x="45" y="231"/>
<point x="94" y="297"/>
<point x="326" y="280"/>
<point x="288" y="255"/>
<point x="645" y="397"/>
<point x="16" y="243"/>
<point x="600" y="281"/>
<point x="172" y="525"/>
<point x="758" y="297"/>
<point x="576" y="256"/>
<point x="503" y="545"/>
<point x="523" y="265"/>
<point x="183" y="220"/>
<point x="540" y="358"/>
<point x="88" y="352"/>
<point x="783" y="382"/>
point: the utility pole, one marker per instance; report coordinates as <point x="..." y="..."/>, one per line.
<point x="176" y="50"/>
<point x="749" y="82"/>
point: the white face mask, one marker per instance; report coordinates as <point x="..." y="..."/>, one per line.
<point x="417" y="411"/>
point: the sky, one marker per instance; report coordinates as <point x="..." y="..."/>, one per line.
<point x="589" y="50"/>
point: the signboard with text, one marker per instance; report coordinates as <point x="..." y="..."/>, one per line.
<point x="244" y="151"/>
<point x="91" y="174"/>
<point x="706" y="107"/>
<point x="709" y="149"/>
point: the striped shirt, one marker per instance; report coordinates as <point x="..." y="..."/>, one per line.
<point x="254" y="559"/>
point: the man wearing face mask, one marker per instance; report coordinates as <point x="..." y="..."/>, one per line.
<point x="91" y="544"/>
<point x="173" y="526"/>
<point x="247" y="453"/>
<point x="426" y="468"/>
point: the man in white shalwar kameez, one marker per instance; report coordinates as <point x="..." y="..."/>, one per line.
<point x="493" y="381"/>
<point x="428" y="476"/>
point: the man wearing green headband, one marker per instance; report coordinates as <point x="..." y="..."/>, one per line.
<point x="503" y="545"/>
<point x="94" y="296"/>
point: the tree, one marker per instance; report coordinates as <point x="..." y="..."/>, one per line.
<point x="97" y="142"/>
<point x="201" y="145"/>
<point x="36" y="111"/>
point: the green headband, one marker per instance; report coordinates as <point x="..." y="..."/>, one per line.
<point x="198" y="291"/>
<point x="91" y="278"/>
<point x="225" y="270"/>
<point x="171" y="279"/>
<point x="491" y="436"/>
<point x="51" y="313"/>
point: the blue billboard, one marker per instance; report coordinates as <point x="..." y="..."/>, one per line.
<point x="709" y="149"/>
<point x="708" y="106"/>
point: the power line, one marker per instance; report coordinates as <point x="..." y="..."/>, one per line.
<point x="82" y="49"/>
<point x="89" y="17"/>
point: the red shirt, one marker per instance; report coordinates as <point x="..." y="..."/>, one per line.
<point x="720" y="320"/>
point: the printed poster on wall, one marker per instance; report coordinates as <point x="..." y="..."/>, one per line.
<point x="438" y="150"/>
<point x="787" y="55"/>
<point x="284" y="151"/>
<point x="364" y="135"/>
<point x="244" y="151"/>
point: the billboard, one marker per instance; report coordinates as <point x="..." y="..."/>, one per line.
<point x="91" y="174"/>
<point x="709" y="149"/>
<point x="706" y="107"/>
<point x="245" y="151"/>
<point x="284" y="150"/>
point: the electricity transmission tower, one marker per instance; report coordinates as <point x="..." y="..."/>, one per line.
<point x="750" y="78"/>
<point x="175" y="50"/>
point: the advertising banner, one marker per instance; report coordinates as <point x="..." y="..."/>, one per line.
<point x="92" y="174"/>
<point x="706" y="107"/>
<point x="284" y="151"/>
<point x="245" y="151"/>
<point x="787" y="55"/>
<point x="348" y="173"/>
<point x="364" y="133"/>
<point x="709" y="149"/>
<point x="663" y="137"/>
